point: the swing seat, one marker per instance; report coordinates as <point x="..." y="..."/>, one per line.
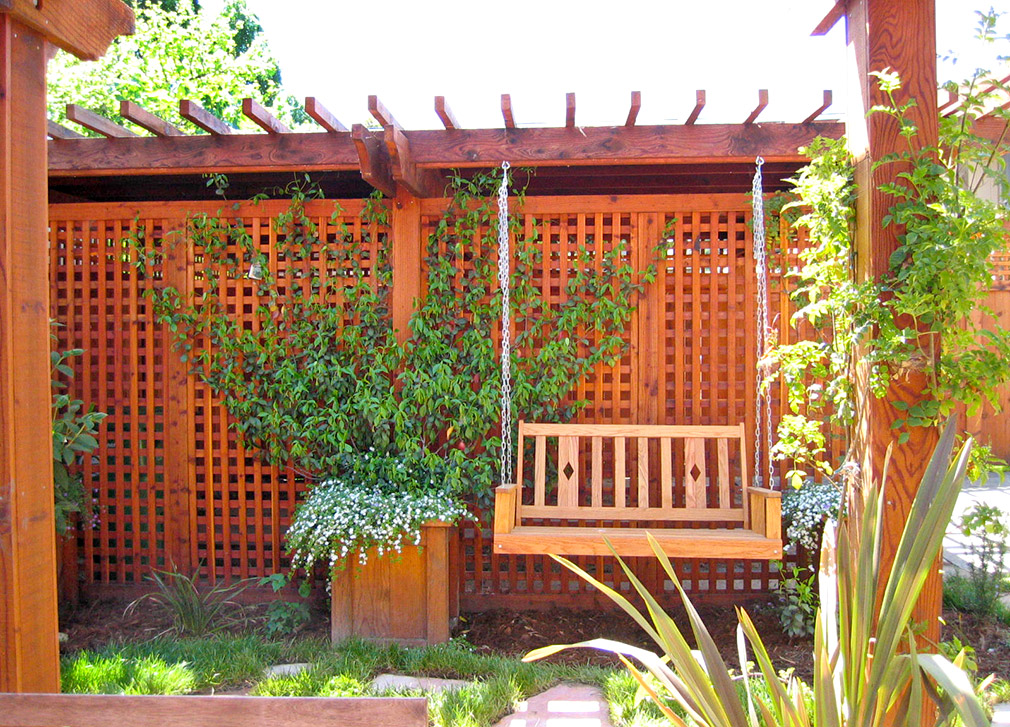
<point x="638" y="479"/>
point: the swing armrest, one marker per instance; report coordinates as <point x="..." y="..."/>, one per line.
<point x="506" y="508"/>
<point x="765" y="512"/>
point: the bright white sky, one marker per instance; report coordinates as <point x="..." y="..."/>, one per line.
<point x="472" y="51"/>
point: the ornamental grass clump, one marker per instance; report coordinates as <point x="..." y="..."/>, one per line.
<point x="378" y="500"/>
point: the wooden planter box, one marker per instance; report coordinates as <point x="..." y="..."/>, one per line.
<point x="408" y="598"/>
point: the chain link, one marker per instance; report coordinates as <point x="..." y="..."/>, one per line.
<point x="504" y="282"/>
<point x="763" y="424"/>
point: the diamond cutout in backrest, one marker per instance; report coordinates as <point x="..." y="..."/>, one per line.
<point x="568" y="471"/>
<point x="695" y="473"/>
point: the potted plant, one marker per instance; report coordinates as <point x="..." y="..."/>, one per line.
<point x="383" y="525"/>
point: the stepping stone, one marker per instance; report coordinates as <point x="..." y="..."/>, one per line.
<point x="566" y="705"/>
<point x="398" y="682"/>
<point x="285" y="670"/>
<point x="1001" y="715"/>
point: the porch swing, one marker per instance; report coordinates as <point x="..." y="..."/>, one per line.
<point x="622" y="497"/>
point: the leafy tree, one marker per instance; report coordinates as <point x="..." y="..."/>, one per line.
<point x="179" y="51"/>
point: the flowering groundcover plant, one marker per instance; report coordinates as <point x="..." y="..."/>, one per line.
<point x="376" y="500"/>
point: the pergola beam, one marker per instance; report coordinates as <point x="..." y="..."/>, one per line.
<point x="438" y="149"/>
<point x="373" y="160"/>
<point x="321" y="115"/>
<point x="82" y="27"/>
<point x="146" y="120"/>
<point x="445" y="114"/>
<point x="56" y="131"/>
<point x="254" y="111"/>
<point x="699" y="104"/>
<point x="506" y="111"/>
<point x="820" y="109"/>
<point x="99" y="124"/>
<point x="569" y="110"/>
<point x="636" y="106"/>
<point x="201" y="117"/>
<point x="762" y="103"/>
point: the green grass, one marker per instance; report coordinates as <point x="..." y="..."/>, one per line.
<point x="180" y="665"/>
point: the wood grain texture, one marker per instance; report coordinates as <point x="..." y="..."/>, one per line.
<point x="90" y="120"/>
<point x="84" y="28"/>
<point x="199" y="154"/>
<point x="407" y="250"/>
<point x="142" y="117"/>
<point x="762" y="103"/>
<point x="373" y="159"/>
<point x="322" y="116"/>
<point x="506" y="111"/>
<point x="29" y="659"/>
<point x="55" y="131"/>
<point x="900" y="35"/>
<point x="92" y="710"/>
<point x="825" y="104"/>
<point x="616" y="145"/>
<point x="445" y="114"/>
<point x="196" y="114"/>
<point x="253" y="110"/>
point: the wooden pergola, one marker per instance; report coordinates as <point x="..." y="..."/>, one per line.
<point x="406" y="165"/>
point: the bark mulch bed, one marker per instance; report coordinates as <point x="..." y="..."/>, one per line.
<point x="513" y="633"/>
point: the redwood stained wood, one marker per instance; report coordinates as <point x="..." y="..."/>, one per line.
<point x="322" y="116"/>
<point x="29" y="659"/>
<point x="506" y="111"/>
<point x="196" y="114"/>
<point x="94" y="710"/>
<point x="762" y="103"/>
<point x="373" y="160"/>
<point x="836" y="13"/>
<point x="90" y="120"/>
<point x="380" y="113"/>
<point x="84" y="28"/>
<point x="145" y="119"/>
<point x="407" y="250"/>
<point x="445" y="114"/>
<point x="199" y="154"/>
<point x="636" y="106"/>
<point x="901" y="35"/>
<point x="699" y="104"/>
<point x="263" y="118"/>
<point x="56" y="131"/>
<point x="569" y="110"/>
<point x="820" y="109"/>
<point x="616" y="145"/>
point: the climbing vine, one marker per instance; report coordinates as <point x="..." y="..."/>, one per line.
<point x="919" y="313"/>
<point x="316" y="379"/>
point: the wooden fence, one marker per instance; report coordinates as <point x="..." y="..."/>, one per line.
<point x="174" y="489"/>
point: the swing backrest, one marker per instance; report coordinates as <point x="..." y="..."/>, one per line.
<point x="616" y="472"/>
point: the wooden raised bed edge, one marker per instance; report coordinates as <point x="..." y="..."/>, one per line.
<point x="409" y="598"/>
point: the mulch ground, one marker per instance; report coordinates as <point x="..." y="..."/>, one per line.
<point x="514" y="633"/>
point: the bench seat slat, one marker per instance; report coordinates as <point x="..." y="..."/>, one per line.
<point x="683" y="543"/>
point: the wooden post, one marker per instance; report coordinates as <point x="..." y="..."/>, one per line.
<point x="406" y="259"/>
<point x="29" y="652"/>
<point x="900" y="35"/>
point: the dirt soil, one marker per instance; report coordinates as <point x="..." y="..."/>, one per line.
<point x="514" y="633"/>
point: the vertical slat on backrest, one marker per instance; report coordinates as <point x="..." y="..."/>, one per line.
<point x="539" y="470"/>
<point x="694" y="472"/>
<point x="620" y="473"/>
<point x="744" y="482"/>
<point x="725" y="496"/>
<point x="519" y="459"/>
<point x="597" y="472"/>
<point x="643" y="471"/>
<point x="568" y="471"/>
<point x="666" y="472"/>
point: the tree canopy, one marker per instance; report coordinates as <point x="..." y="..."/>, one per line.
<point x="180" y="51"/>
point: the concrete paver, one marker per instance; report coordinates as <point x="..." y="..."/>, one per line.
<point x="566" y="705"/>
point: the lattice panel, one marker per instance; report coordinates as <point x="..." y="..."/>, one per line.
<point x="242" y="506"/>
<point x="97" y="298"/>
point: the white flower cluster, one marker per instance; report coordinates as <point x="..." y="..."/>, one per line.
<point x="804" y="511"/>
<point x="338" y="518"/>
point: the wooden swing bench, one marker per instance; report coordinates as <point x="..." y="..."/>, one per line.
<point x="690" y="514"/>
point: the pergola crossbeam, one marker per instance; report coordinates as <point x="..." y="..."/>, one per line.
<point x="506" y="111"/>
<point x="445" y="114"/>
<point x="55" y="131"/>
<point x="699" y="104"/>
<point x="762" y="103"/>
<point x="380" y="113"/>
<point x="322" y="116"/>
<point x="821" y="109"/>
<point x="254" y="111"/>
<point x="145" y="119"/>
<point x="99" y="124"/>
<point x="201" y="117"/>
<point x="636" y="106"/>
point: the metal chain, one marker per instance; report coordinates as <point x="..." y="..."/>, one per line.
<point x="764" y="406"/>
<point x="504" y="282"/>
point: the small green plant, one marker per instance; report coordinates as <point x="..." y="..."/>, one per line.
<point x="797" y="602"/>
<point x="75" y="431"/>
<point x="866" y="662"/>
<point x="284" y="618"/>
<point x="195" y="611"/>
<point x="987" y="528"/>
<point x="984" y="463"/>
